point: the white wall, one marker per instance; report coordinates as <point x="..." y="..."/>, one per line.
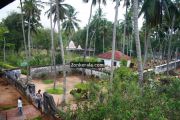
<point x="108" y="62"/>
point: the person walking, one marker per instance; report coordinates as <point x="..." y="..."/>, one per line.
<point x="39" y="99"/>
<point x="20" y="111"/>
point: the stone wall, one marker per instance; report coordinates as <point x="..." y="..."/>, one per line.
<point x="37" y="71"/>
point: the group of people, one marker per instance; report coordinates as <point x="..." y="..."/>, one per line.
<point x="38" y="100"/>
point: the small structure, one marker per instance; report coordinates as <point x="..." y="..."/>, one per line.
<point x="106" y="58"/>
<point x="71" y="46"/>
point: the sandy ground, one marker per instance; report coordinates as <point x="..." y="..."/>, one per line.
<point x="71" y="82"/>
<point x="9" y="95"/>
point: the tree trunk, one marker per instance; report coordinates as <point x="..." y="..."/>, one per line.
<point x="138" y="46"/>
<point x="24" y="37"/>
<point x="124" y="37"/>
<point x="52" y="46"/>
<point x="103" y="43"/>
<point x="146" y="46"/>
<point x="29" y="44"/>
<point x="4" y="50"/>
<point x="131" y="45"/>
<point x="86" y="43"/>
<point x="114" y="42"/>
<point x="169" y="45"/>
<point x="62" y="53"/>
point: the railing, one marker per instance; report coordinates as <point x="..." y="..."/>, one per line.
<point x="28" y="90"/>
<point x="163" y="67"/>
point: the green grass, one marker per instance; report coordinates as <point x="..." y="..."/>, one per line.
<point x="83" y="86"/>
<point x="6" y="107"/>
<point x="55" y="91"/>
<point x="6" y="66"/>
<point x="37" y="118"/>
<point x="47" y="81"/>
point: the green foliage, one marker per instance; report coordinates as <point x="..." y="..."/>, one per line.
<point x="24" y="71"/>
<point x="123" y="62"/>
<point x="129" y="101"/>
<point x="57" y="91"/>
<point x="80" y="91"/>
<point x="47" y="81"/>
<point x="58" y="59"/>
<point x="6" y="66"/>
<point x="83" y="86"/>
<point x="88" y="59"/>
<point x="40" y="60"/>
<point x="6" y="107"/>
<point x="37" y="118"/>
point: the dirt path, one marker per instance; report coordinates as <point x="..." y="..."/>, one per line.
<point x="8" y="104"/>
<point x="9" y="96"/>
<point x="71" y="82"/>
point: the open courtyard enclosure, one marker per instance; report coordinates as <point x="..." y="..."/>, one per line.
<point x="72" y="81"/>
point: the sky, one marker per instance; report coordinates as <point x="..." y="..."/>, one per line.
<point x="82" y="8"/>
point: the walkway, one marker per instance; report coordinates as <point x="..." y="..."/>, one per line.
<point x="29" y="112"/>
<point x="8" y="104"/>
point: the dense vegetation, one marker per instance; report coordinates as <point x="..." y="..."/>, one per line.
<point x="158" y="99"/>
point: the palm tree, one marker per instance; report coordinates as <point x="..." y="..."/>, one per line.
<point x="70" y="24"/>
<point x="62" y="51"/>
<point x="155" y="11"/>
<point x="126" y="4"/>
<point x="138" y="46"/>
<point x="87" y="28"/>
<point x="63" y="10"/>
<point x="32" y="17"/>
<point x="53" y="59"/>
<point x="114" y="42"/>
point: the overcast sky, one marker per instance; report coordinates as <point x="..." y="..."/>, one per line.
<point x="82" y="9"/>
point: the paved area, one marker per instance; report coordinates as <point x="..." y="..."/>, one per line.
<point x="29" y="112"/>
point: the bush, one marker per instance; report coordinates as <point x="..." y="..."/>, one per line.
<point x="129" y="101"/>
<point x="58" y="59"/>
<point x="40" y="60"/>
<point x="79" y="94"/>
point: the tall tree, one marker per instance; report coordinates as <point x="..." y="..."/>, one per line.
<point x="23" y="32"/>
<point x="93" y="2"/>
<point x="137" y="40"/>
<point x="62" y="51"/>
<point x="53" y="59"/>
<point x="114" y="41"/>
<point x="70" y="24"/>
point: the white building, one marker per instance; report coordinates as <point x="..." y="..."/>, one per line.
<point x="106" y="58"/>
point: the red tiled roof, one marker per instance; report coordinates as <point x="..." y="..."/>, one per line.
<point x="118" y="55"/>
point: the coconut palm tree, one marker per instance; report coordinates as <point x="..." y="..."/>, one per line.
<point x="137" y="41"/>
<point x="126" y="4"/>
<point x="53" y="59"/>
<point x="63" y="10"/>
<point x="62" y="51"/>
<point x="93" y="2"/>
<point x="32" y="17"/>
<point x="155" y="11"/>
<point x="24" y="37"/>
<point x="70" y="23"/>
<point x="114" y="41"/>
